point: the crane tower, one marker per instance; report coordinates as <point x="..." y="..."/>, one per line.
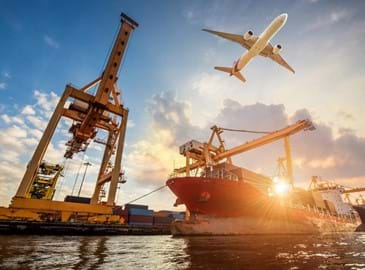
<point x="89" y="113"/>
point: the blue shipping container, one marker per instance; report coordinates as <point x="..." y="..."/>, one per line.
<point x="139" y="206"/>
<point x="140" y="212"/>
<point x="179" y="216"/>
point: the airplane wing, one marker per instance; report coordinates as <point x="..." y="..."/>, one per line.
<point x="280" y="60"/>
<point x="235" y="38"/>
<point x="267" y="52"/>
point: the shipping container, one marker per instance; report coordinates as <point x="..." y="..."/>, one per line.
<point x="136" y="218"/>
<point x="162" y="213"/>
<point x="179" y="216"/>
<point x="136" y="206"/>
<point x="118" y="210"/>
<point x="140" y="212"/>
<point x="163" y="219"/>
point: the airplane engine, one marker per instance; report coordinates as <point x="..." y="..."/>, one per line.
<point x="248" y="35"/>
<point x="277" y="49"/>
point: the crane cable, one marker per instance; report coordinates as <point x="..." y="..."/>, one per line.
<point x="145" y="195"/>
<point x="246" y="131"/>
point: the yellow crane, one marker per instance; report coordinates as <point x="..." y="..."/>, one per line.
<point x="89" y="112"/>
<point x="200" y="155"/>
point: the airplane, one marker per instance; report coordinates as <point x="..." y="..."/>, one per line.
<point x="255" y="46"/>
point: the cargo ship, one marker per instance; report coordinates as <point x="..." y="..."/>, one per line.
<point x="222" y="198"/>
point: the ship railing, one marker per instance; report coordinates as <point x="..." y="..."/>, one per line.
<point x="217" y="174"/>
<point x="325" y="213"/>
<point x="320" y="212"/>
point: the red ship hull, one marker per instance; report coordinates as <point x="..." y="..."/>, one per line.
<point x="221" y="206"/>
<point x="218" y="197"/>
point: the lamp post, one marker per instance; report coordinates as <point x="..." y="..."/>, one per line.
<point x="87" y="164"/>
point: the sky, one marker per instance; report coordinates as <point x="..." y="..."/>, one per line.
<point x="174" y="94"/>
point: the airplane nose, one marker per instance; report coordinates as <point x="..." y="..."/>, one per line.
<point x="283" y="17"/>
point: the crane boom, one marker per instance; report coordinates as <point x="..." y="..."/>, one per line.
<point x="353" y="190"/>
<point x="269" y="138"/>
<point x="219" y="153"/>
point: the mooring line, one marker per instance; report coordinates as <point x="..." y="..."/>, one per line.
<point x="145" y="195"/>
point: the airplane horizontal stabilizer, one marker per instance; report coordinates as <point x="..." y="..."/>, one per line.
<point x="224" y="69"/>
<point x="239" y="76"/>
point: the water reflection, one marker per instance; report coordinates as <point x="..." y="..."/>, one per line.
<point x="89" y="259"/>
<point x="340" y="251"/>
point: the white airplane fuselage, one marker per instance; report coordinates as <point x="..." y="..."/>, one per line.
<point x="261" y="43"/>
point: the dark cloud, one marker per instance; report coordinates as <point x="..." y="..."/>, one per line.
<point x="170" y="114"/>
<point x="316" y="152"/>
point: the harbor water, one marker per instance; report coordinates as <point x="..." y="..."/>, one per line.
<point x="331" y="251"/>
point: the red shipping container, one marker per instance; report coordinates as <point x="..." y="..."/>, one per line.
<point x="146" y="219"/>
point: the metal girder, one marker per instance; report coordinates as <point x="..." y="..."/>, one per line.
<point x="88" y="98"/>
<point x="76" y="116"/>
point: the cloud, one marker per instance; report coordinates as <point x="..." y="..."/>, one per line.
<point x="6" y="118"/>
<point x="215" y="13"/>
<point x="6" y="74"/>
<point x="315" y="153"/>
<point x="28" y="110"/>
<point x="328" y="19"/>
<point x="45" y="101"/>
<point x="131" y="123"/>
<point x="170" y="126"/>
<point x="36" y="121"/>
<point x="11" y="119"/>
<point x="19" y="135"/>
<point x="345" y="115"/>
<point x="3" y="85"/>
<point x="51" y="42"/>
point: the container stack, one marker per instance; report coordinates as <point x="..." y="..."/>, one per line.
<point x="138" y="215"/>
<point x="165" y="218"/>
<point x="123" y="213"/>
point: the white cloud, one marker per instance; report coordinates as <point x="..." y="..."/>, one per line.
<point x="328" y="19"/>
<point x="6" y="74"/>
<point x="36" y="133"/>
<point x="36" y="121"/>
<point x="28" y="110"/>
<point x="12" y="119"/>
<point x="3" y="85"/>
<point x="51" y="42"/>
<point x="131" y="123"/>
<point x="6" y="118"/>
<point x="46" y="101"/>
<point x="19" y="136"/>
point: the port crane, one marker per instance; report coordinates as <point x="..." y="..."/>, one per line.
<point x="200" y="155"/>
<point x="89" y="113"/>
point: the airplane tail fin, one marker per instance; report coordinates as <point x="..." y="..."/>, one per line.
<point x="224" y="69"/>
<point x="237" y="74"/>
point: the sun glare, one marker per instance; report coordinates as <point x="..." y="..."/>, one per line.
<point x="281" y="186"/>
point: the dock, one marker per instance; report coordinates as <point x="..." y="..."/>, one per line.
<point x="63" y="228"/>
